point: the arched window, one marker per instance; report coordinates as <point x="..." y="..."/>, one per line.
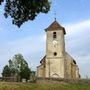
<point x="55" y="54"/>
<point x="54" y="35"/>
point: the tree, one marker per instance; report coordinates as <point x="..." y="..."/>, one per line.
<point x="25" y="73"/>
<point x="24" y="10"/>
<point x="1" y="1"/>
<point x="11" y="66"/>
<point x="6" y="71"/>
<point x="21" y="66"/>
<point x="18" y="67"/>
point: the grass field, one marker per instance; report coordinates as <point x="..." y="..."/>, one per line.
<point x="43" y="86"/>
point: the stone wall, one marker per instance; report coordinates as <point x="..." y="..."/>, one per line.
<point x="63" y="80"/>
<point x="55" y="68"/>
<point x="41" y="71"/>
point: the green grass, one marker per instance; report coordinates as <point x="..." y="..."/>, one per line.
<point x="43" y="86"/>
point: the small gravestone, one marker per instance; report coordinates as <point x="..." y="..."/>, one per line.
<point x="23" y="80"/>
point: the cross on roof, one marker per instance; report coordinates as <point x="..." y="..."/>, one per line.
<point x="55" y="15"/>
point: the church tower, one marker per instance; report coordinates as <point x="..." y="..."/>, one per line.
<point x="55" y="50"/>
<point x="57" y="63"/>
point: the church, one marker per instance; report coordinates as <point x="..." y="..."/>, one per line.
<point x="57" y="63"/>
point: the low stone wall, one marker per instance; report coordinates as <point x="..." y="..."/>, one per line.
<point x="7" y="79"/>
<point x="63" y="80"/>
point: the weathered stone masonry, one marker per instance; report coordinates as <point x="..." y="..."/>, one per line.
<point x="57" y="63"/>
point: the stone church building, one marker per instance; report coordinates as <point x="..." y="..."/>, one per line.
<point x="57" y="63"/>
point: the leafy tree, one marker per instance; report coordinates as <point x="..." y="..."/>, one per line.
<point x="1" y="1"/>
<point x="32" y="76"/>
<point x="21" y="66"/>
<point x="6" y="71"/>
<point x="24" y="10"/>
<point x="11" y="66"/>
<point x="18" y="67"/>
<point x="25" y="73"/>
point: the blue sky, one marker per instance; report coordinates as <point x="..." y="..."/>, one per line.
<point x="29" y="40"/>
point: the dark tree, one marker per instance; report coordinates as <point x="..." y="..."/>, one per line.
<point x="20" y="66"/>
<point x="24" y="10"/>
<point x="25" y="73"/>
<point x="12" y="68"/>
<point x="17" y="67"/>
<point x="6" y="71"/>
<point x="1" y="1"/>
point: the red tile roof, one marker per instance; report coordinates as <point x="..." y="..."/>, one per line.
<point x="55" y="26"/>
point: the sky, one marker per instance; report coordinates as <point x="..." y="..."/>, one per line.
<point x="30" y="38"/>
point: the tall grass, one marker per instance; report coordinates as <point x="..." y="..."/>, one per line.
<point x="43" y="86"/>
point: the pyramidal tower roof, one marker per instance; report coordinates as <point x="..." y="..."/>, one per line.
<point x="55" y="26"/>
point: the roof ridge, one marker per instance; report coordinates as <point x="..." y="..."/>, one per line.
<point x="55" y="26"/>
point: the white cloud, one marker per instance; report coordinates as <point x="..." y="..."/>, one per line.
<point x="78" y="43"/>
<point x="78" y="35"/>
<point x="30" y="44"/>
<point x="78" y="27"/>
<point x="1" y="29"/>
<point x="33" y="47"/>
<point x="27" y="46"/>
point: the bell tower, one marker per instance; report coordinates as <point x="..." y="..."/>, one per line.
<point x="55" y="50"/>
<point x="57" y="63"/>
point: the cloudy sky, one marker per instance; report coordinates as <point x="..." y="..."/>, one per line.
<point x="29" y="40"/>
